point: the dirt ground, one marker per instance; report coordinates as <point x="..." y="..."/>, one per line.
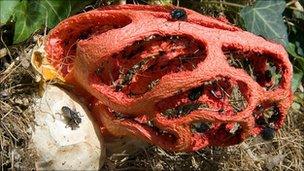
<point x="19" y="86"/>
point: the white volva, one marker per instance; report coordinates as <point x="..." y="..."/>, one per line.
<point x="59" y="147"/>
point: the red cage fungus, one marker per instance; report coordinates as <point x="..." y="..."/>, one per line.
<point x="180" y="82"/>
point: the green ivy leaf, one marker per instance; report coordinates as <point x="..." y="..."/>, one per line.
<point x="32" y="15"/>
<point x="298" y="68"/>
<point x="28" y="19"/>
<point x="291" y="49"/>
<point x="297" y="78"/>
<point x="265" y="18"/>
<point x="7" y="9"/>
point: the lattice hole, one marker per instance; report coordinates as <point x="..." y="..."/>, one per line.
<point x="218" y="95"/>
<point x="139" y="67"/>
<point x="267" y="115"/>
<point x="260" y="67"/>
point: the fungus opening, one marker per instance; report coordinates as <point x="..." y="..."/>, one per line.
<point x="237" y="100"/>
<point x="267" y="115"/>
<point x="138" y="68"/>
<point x="227" y="134"/>
<point x="200" y="127"/>
<point x="216" y="133"/>
<point x="219" y="95"/>
<point x="120" y="116"/>
<point x="183" y="110"/>
<point x="260" y="67"/>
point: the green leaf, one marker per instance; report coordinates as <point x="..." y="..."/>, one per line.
<point x="265" y="18"/>
<point x="299" y="42"/>
<point x="298" y="68"/>
<point x="27" y="18"/>
<point x="7" y="9"/>
<point x="32" y="15"/>
<point x="297" y="78"/>
<point x="291" y="49"/>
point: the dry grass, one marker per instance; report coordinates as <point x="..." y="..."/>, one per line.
<point x="284" y="152"/>
<point x="17" y="90"/>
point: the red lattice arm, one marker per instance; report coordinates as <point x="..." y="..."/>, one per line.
<point x="180" y="84"/>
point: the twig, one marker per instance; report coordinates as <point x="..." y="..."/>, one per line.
<point x="296" y="4"/>
<point x="294" y="8"/>
<point x="5" y="127"/>
<point x="8" y="51"/>
<point x="249" y="152"/>
<point x="9" y="68"/>
<point x="12" y="160"/>
<point x="7" y="114"/>
<point x="5" y="104"/>
<point x="2" y="149"/>
<point x="291" y="2"/>
<point x="9" y="72"/>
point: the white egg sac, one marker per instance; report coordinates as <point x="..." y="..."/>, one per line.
<point x="60" y="146"/>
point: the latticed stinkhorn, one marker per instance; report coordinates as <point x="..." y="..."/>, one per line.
<point x="175" y="78"/>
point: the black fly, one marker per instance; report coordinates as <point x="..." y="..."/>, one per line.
<point x="195" y="93"/>
<point x="200" y="127"/>
<point x="178" y="14"/>
<point x="268" y="133"/>
<point x="72" y="117"/>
